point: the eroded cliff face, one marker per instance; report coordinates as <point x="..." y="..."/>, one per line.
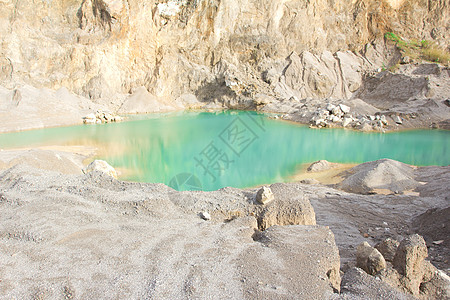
<point x="215" y="49"/>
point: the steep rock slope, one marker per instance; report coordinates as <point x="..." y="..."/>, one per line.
<point x="213" y="49"/>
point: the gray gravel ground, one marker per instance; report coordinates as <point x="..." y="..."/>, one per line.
<point x="91" y="236"/>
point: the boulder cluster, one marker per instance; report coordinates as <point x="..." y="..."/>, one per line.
<point x="337" y="115"/>
<point x="403" y="265"/>
<point x="100" y="117"/>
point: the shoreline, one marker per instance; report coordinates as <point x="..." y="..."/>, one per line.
<point x="129" y="117"/>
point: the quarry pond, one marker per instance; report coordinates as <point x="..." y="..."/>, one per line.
<point x="211" y="150"/>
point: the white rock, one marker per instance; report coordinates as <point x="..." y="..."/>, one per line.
<point x="320" y="121"/>
<point x="205" y="215"/>
<point x="170" y="8"/>
<point x="384" y="120"/>
<point x="398" y="120"/>
<point x="264" y="195"/>
<point x="346" y="122"/>
<point x="330" y="107"/>
<point x="335" y="119"/>
<point x="337" y="111"/>
<point x="319" y="166"/>
<point x="89" y="119"/>
<point x="372" y="118"/>
<point x="344" y="108"/>
<point x="102" y="166"/>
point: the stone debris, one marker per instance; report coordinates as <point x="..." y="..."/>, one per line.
<point x="297" y="258"/>
<point x="409" y="271"/>
<point x="339" y="115"/>
<point x="101" y="117"/>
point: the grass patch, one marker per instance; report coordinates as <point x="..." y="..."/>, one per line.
<point x="419" y="50"/>
<point x="437" y="55"/>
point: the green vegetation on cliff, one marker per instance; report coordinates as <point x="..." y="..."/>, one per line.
<point x="419" y="50"/>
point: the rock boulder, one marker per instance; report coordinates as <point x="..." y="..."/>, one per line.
<point x="101" y="166"/>
<point x="264" y="195"/>
<point x="388" y="248"/>
<point x="408" y="261"/>
<point x="369" y="259"/>
<point x="290" y="207"/>
<point x="318" y="166"/>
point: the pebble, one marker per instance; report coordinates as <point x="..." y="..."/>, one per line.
<point x="205" y="215"/>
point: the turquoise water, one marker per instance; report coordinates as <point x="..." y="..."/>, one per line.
<point x="200" y="150"/>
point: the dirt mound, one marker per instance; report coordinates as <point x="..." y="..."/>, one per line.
<point x="383" y="174"/>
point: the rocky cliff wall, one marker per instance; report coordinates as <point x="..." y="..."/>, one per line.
<point x="215" y="49"/>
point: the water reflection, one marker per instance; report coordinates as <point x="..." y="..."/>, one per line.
<point x="237" y="149"/>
